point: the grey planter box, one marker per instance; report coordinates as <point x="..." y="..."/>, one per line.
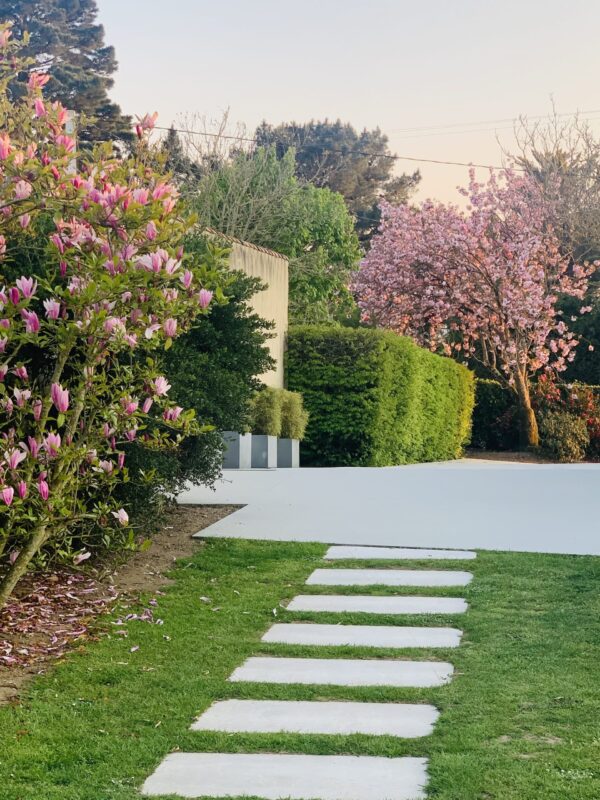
<point x="288" y="453"/>
<point x="238" y="450"/>
<point x="264" y="451"/>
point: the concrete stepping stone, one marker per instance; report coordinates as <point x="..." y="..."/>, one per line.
<point x="298" y="777"/>
<point x="396" y="553"/>
<point x="343" y="672"/>
<point x="388" y="577"/>
<point x="408" y="721"/>
<point x="372" y="604"/>
<point x="361" y="635"/>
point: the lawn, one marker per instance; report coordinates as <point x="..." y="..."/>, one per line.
<point x="520" y="720"/>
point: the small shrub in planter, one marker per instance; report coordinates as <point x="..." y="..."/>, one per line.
<point x="564" y="436"/>
<point x="266" y="427"/>
<point x="294" y="419"/>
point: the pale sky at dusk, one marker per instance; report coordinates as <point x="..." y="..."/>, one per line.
<point x="390" y="63"/>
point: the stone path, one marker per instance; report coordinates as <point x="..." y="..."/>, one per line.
<point x="274" y="776"/>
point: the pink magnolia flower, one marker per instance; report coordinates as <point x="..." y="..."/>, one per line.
<point x="106" y="466"/>
<point x="121" y="460"/>
<point x="3" y="372"/>
<point x="151" y="231"/>
<point x="130" y="435"/>
<point x="3" y="343"/>
<point x="5" y="146"/>
<point x="151" y="330"/>
<point x="65" y="141"/>
<point x="14" y="457"/>
<point x="52" y="444"/>
<point x="161" y="386"/>
<point x="186" y="279"/>
<point x="8" y="494"/>
<point x="204" y="298"/>
<point x="32" y="445"/>
<point x="147" y="405"/>
<point x="171" y="414"/>
<point x="37" y="80"/>
<point x="21" y="372"/>
<point x="60" y="397"/>
<point x="32" y="322"/>
<point x="22" y="489"/>
<point x="52" y="308"/>
<point x="22" y="190"/>
<point x="43" y="489"/>
<point x="14" y="554"/>
<point x="141" y="196"/>
<point x="39" y="107"/>
<point x="37" y="410"/>
<point x="170" y="327"/>
<point x="122" y="516"/>
<point x="21" y="396"/>
<point x="24" y="220"/>
<point x="58" y="242"/>
<point x="80" y="557"/>
<point x="14" y="295"/>
<point x="28" y="286"/>
<point x="130" y="406"/>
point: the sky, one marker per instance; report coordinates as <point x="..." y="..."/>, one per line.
<point x="448" y="68"/>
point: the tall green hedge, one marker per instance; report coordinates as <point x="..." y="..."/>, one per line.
<point x="377" y="399"/>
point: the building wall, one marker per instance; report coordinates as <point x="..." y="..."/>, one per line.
<point x="272" y="302"/>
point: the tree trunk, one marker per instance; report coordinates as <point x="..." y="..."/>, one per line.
<point x="19" y="568"/>
<point x="529" y="433"/>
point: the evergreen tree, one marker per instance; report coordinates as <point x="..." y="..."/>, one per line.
<point x="334" y="155"/>
<point x="66" y="41"/>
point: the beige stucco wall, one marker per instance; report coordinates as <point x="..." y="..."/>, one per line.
<point x="272" y="302"/>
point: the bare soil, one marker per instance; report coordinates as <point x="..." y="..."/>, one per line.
<point x="54" y="613"/>
<point x="521" y="456"/>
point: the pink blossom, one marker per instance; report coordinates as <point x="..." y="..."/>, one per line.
<point x="24" y="220"/>
<point x="122" y="516"/>
<point x="186" y="279"/>
<point x="22" y="190"/>
<point x="147" y="405"/>
<point x="14" y="457"/>
<point x="52" y="308"/>
<point x="22" y="489"/>
<point x="3" y="372"/>
<point x="5" y="323"/>
<point x="60" y="397"/>
<point x="151" y="231"/>
<point x="65" y="141"/>
<point x="151" y="330"/>
<point x="32" y="323"/>
<point x="43" y="489"/>
<point x="37" y="410"/>
<point x="161" y="386"/>
<point x="130" y="435"/>
<point x="8" y="494"/>
<point x="21" y="373"/>
<point x="121" y="460"/>
<point x="170" y="327"/>
<point x="80" y="557"/>
<point x="5" y="146"/>
<point x="21" y="396"/>
<point x="14" y="554"/>
<point x="141" y="196"/>
<point x="130" y="406"/>
<point x="32" y="446"/>
<point x="28" y="286"/>
<point x="39" y="107"/>
<point x="172" y="414"/>
<point x="106" y="466"/>
<point x="37" y="80"/>
<point x="14" y="295"/>
<point x="204" y="298"/>
<point x="3" y="343"/>
<point x="58" y="242"/>
<point x="52" y="444"/>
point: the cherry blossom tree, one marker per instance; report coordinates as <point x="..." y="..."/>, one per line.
<point x="482" y="283"/>
<point x="77" y="377"/>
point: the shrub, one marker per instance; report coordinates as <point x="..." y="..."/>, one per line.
<point x="266" y="412"/>
<point x="564" y="436"/>
<point x="294" y="418"/>
<point x="376" y="399"/>
<point x="495" y="417"/>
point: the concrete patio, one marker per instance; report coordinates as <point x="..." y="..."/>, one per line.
<point x="550" y="508"/>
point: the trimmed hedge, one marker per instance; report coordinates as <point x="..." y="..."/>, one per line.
<point x="377" y="399"/>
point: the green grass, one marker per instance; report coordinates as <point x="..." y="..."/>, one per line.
<point x="520" y="720"/>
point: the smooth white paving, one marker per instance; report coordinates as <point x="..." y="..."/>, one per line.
<point x="343" y="672"/>
<point x="405" y="720"/>
<point x="471" y="505"/>
<point x="372" y="604"/>
<point x="397" y="553"/>
<point x="388" y="577"/>
<point x="361" y="635"/>
<point x="298" y="777"/>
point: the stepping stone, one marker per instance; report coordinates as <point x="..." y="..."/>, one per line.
<point x="361" y="635"/>
<point x="395" y="553"/>
<point x="371" y="604"/>
<point x="298" y="777"/>
<point x="388" y="577"/>
<point x="405" y="720"/>
<point x="343" y="672"/>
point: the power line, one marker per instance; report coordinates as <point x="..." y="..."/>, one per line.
<point x="347" y="152"/>
<point x="493" y="121"/>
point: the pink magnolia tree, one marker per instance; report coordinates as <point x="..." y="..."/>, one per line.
<point x="77" y="377"/>
<point x="481" y="283"/>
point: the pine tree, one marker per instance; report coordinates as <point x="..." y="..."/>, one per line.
<point x="66" y="41"/>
